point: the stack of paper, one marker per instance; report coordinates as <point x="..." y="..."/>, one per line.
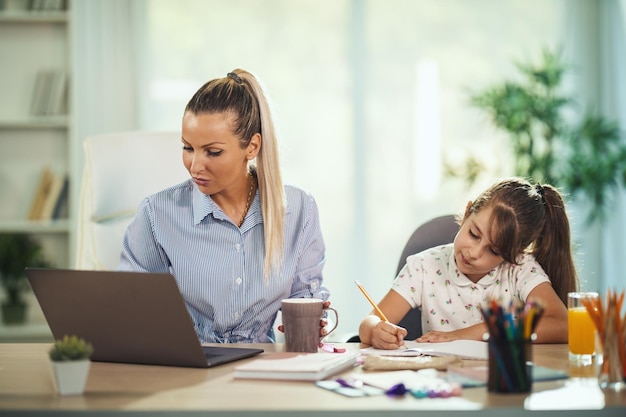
<point x="297" y="366"/>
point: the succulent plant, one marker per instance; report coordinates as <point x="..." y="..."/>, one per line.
<point x="70" y="348"/>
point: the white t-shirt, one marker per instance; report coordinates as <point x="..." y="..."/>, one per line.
<point x="449" y="300"/>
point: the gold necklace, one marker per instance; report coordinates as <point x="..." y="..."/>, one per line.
<point x="249" y="201"/>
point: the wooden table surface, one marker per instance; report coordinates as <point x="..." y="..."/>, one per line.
<point x="26" y="387"/>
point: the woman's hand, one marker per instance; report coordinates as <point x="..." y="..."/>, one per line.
<point x="323" y="324"/>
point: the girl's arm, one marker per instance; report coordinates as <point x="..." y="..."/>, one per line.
<point x="475" y="332"/>
<point x="552" y="326"/>
<point x="385" y="335"/>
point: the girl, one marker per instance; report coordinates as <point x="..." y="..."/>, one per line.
<point x="513" y="244"/>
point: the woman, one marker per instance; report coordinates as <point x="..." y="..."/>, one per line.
<point x="236" y="240"/>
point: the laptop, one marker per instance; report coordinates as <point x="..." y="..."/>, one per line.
<point x="128" y="317"/>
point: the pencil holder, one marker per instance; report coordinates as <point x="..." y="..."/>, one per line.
<point x="511" y="332"/>
<point x="510" y="369"/>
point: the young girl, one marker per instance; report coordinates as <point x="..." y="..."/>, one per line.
<point x="513" y="244"/>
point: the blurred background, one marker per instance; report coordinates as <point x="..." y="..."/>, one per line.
<point x="372" y="99"/>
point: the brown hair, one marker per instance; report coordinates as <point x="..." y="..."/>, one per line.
<point x="240" y="94"/>
<point x="532" y="219"/>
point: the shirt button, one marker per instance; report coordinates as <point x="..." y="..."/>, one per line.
<point x="237" y="246"/>
<point x="238" y="281"/>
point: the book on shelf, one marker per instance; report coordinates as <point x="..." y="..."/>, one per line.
<point x="57" y="97"/>
<point x="297" y="366"/>
<point x="41" y="193"/>
<point x="50" y="196"/>
<point x="54" y="196"/>
<point x="60" y="210"/>
<point x="47" y="5"/>
<point x="49" y="92"/>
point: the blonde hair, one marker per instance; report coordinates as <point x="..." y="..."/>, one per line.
<point x="241" y="94"/>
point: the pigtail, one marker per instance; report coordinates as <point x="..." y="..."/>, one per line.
<point x="552" y="247"/>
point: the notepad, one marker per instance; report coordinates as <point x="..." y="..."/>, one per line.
<point x="464" y="349"/>
<point x="476" y="376"/>
<point x="297" y="366"/>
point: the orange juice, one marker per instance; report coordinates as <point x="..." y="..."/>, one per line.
<point x="580" y="331"/>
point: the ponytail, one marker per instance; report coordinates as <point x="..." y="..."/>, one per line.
<point x="552" y="247"/>
<point x="269" y="178"/>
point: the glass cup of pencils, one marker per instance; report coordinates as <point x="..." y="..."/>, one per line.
<point x="511" y="332"/>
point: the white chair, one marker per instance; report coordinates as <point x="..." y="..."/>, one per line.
<point x="120" y="170"/>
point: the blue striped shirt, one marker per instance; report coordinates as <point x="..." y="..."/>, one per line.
<point x="219" y="267"/>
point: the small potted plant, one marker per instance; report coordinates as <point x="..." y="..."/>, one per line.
<point x="17" y="251"/>
<point x="70" y="359"/>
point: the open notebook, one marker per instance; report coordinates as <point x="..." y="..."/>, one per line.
<point x="465" y="349"/>
<point x="128" y="317"/>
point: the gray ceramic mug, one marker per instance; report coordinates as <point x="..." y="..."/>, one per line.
<point x="301" y="321"/>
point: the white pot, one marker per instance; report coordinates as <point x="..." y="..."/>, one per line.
<point x="70" y="377"/>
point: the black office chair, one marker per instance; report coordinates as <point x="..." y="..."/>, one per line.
<point x="434" y="232"/>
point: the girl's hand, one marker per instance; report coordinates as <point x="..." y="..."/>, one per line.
<point x="474" y="332"/>
<point x="434" y="336"/>
<point x="388" y="336"/>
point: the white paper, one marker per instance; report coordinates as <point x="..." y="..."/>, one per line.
<point x="465" y="349"/>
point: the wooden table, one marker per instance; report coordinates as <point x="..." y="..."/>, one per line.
<point x="26" y="388"/>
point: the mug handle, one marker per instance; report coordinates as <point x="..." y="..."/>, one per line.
<point x="336" y="320"/>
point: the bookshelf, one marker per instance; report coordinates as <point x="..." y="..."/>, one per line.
<point x="35" y="37"/>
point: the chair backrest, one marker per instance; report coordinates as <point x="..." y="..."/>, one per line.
<point x="437" y="231"/>
<point x="120" y="170"/>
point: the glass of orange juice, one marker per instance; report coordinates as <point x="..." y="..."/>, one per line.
<point x="581" y="331"/>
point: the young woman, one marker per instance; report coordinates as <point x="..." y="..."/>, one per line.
<point x="513" y="244"/>
<point x="236" y="239"/>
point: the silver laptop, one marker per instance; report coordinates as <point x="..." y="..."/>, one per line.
<point x="128" y="317"/>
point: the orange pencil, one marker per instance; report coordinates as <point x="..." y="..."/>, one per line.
<point x="376" y="309"/>
<point x="379" y="313"/>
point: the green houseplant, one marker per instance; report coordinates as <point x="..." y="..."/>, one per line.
<point x="585" y="158"/>
<point x="70" y="364"/>
<point x="17" y="251"/>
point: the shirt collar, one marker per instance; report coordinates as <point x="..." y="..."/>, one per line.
<point x="462" y="280"/>
<point x="203" y="205"/>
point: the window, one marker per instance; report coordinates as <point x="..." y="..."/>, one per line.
<point x="357" y="86"/>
